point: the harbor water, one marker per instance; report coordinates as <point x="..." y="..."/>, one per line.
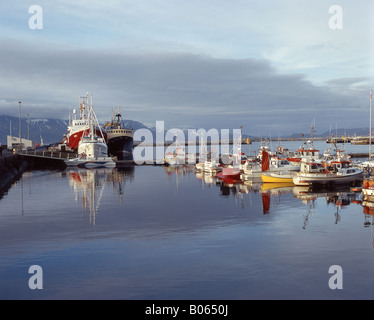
<point x="154" y="232"/>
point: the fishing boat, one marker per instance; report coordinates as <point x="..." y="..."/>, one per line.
<point x="314" y="173"/>
<point x="79" y="124"/>
<point x="229" y="172"/>
<point x="212" y="166"/>
<point x="207" y="162"/>
<point x="92" y="149"/>
<point x="306" y="150"/>
<point x="253" y="169"/>
<point x="233" y="172"/>
<point x="119" y="138"/>
<point x="177" y="157"/>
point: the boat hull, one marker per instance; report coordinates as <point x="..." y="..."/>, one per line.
<point x="90" y="164"/>
<point x="277" y="178"/>
<point x="306" y="179"/>
<point x="74" y="138"/>
<point x="119" y="144"/>
<point x="229" y="173"/>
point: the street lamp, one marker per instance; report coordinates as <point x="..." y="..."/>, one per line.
<point x="28" y="126"/>
<point x="20" y="139"/>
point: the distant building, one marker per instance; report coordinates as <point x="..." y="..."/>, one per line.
<point x="13" y="142"/>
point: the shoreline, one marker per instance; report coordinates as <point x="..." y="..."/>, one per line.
<point x="11" y="169"/>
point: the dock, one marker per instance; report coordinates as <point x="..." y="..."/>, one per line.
<point x="51" y="159"/>
<point x="46" y="158"/>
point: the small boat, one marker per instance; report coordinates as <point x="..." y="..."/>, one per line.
<point x="230" y="173"/>
<point x="278" y="177"/>
<point x="314" y="173"/>
<point x="177" y="157"/>
<point x="306" y="150"/>
<point x="274" y="165"/>
<point x="212" y="166"/>
<point x="96" y="157"/>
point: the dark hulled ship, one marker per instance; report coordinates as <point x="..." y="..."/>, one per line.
<point x="119" y="138"/>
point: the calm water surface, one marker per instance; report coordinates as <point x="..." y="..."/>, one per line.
<point x="158" y="233"/>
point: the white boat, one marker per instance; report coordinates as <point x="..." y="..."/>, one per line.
<point x="253" y="169"/>
<point x="314" y="173"/>
<point x="367" y="164"/>
<point x="306" y="150"/>
<point x="209" y="166"/>
<point x="92" y="153"/>
<point x="212" y="167"/>
<point x="176" y="158"/>
<point x="207" y="162"/>
<point x="92" y="149"/>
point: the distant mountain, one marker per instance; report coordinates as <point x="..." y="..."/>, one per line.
<point x="135" y="125"/>
<point x="336" y="133"/>
<point x="347" y="132"/>
<point x="50" y="130"/>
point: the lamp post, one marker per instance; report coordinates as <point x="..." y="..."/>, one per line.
<point x="20" y="132"/>
<point x="28" y="126"/>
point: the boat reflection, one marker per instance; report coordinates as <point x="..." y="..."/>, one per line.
<point x="88" y="186"/>
<point x="339" y="197"/>
<point x="368" y="210"/>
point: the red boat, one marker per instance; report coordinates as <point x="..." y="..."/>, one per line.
<point x="229" y="173"/>
<point x="79" y="125"/>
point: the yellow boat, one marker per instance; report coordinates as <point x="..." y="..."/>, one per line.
<point x="277" y="177"/>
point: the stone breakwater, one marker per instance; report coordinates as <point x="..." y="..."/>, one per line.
<point x="11" y="168"/>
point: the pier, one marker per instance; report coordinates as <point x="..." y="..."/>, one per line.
<point x="49" y="159"/>
<point x="11" y="168"/>
<point x="55" y="159"/>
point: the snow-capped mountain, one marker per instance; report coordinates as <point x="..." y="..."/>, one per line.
<point x="50" y="130"/>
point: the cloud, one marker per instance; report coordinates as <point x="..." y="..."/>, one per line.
<point x="265" y="66"/>
<point x="179" y="88"/>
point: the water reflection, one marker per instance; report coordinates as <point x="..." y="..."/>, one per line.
<point x="88" y="186"/>
<point x="369" y="218"/>
<point x="338" y="198"/>
<point x="205" y="239"/>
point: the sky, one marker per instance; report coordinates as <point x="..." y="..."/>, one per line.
<point x="273" y="67"/>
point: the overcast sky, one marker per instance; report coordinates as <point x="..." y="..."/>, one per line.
<point x="270" y="66"/>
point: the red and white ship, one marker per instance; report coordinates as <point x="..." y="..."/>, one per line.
<point x="80" y="124"/>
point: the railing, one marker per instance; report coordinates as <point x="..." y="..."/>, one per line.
<point x="45" y="154"/>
